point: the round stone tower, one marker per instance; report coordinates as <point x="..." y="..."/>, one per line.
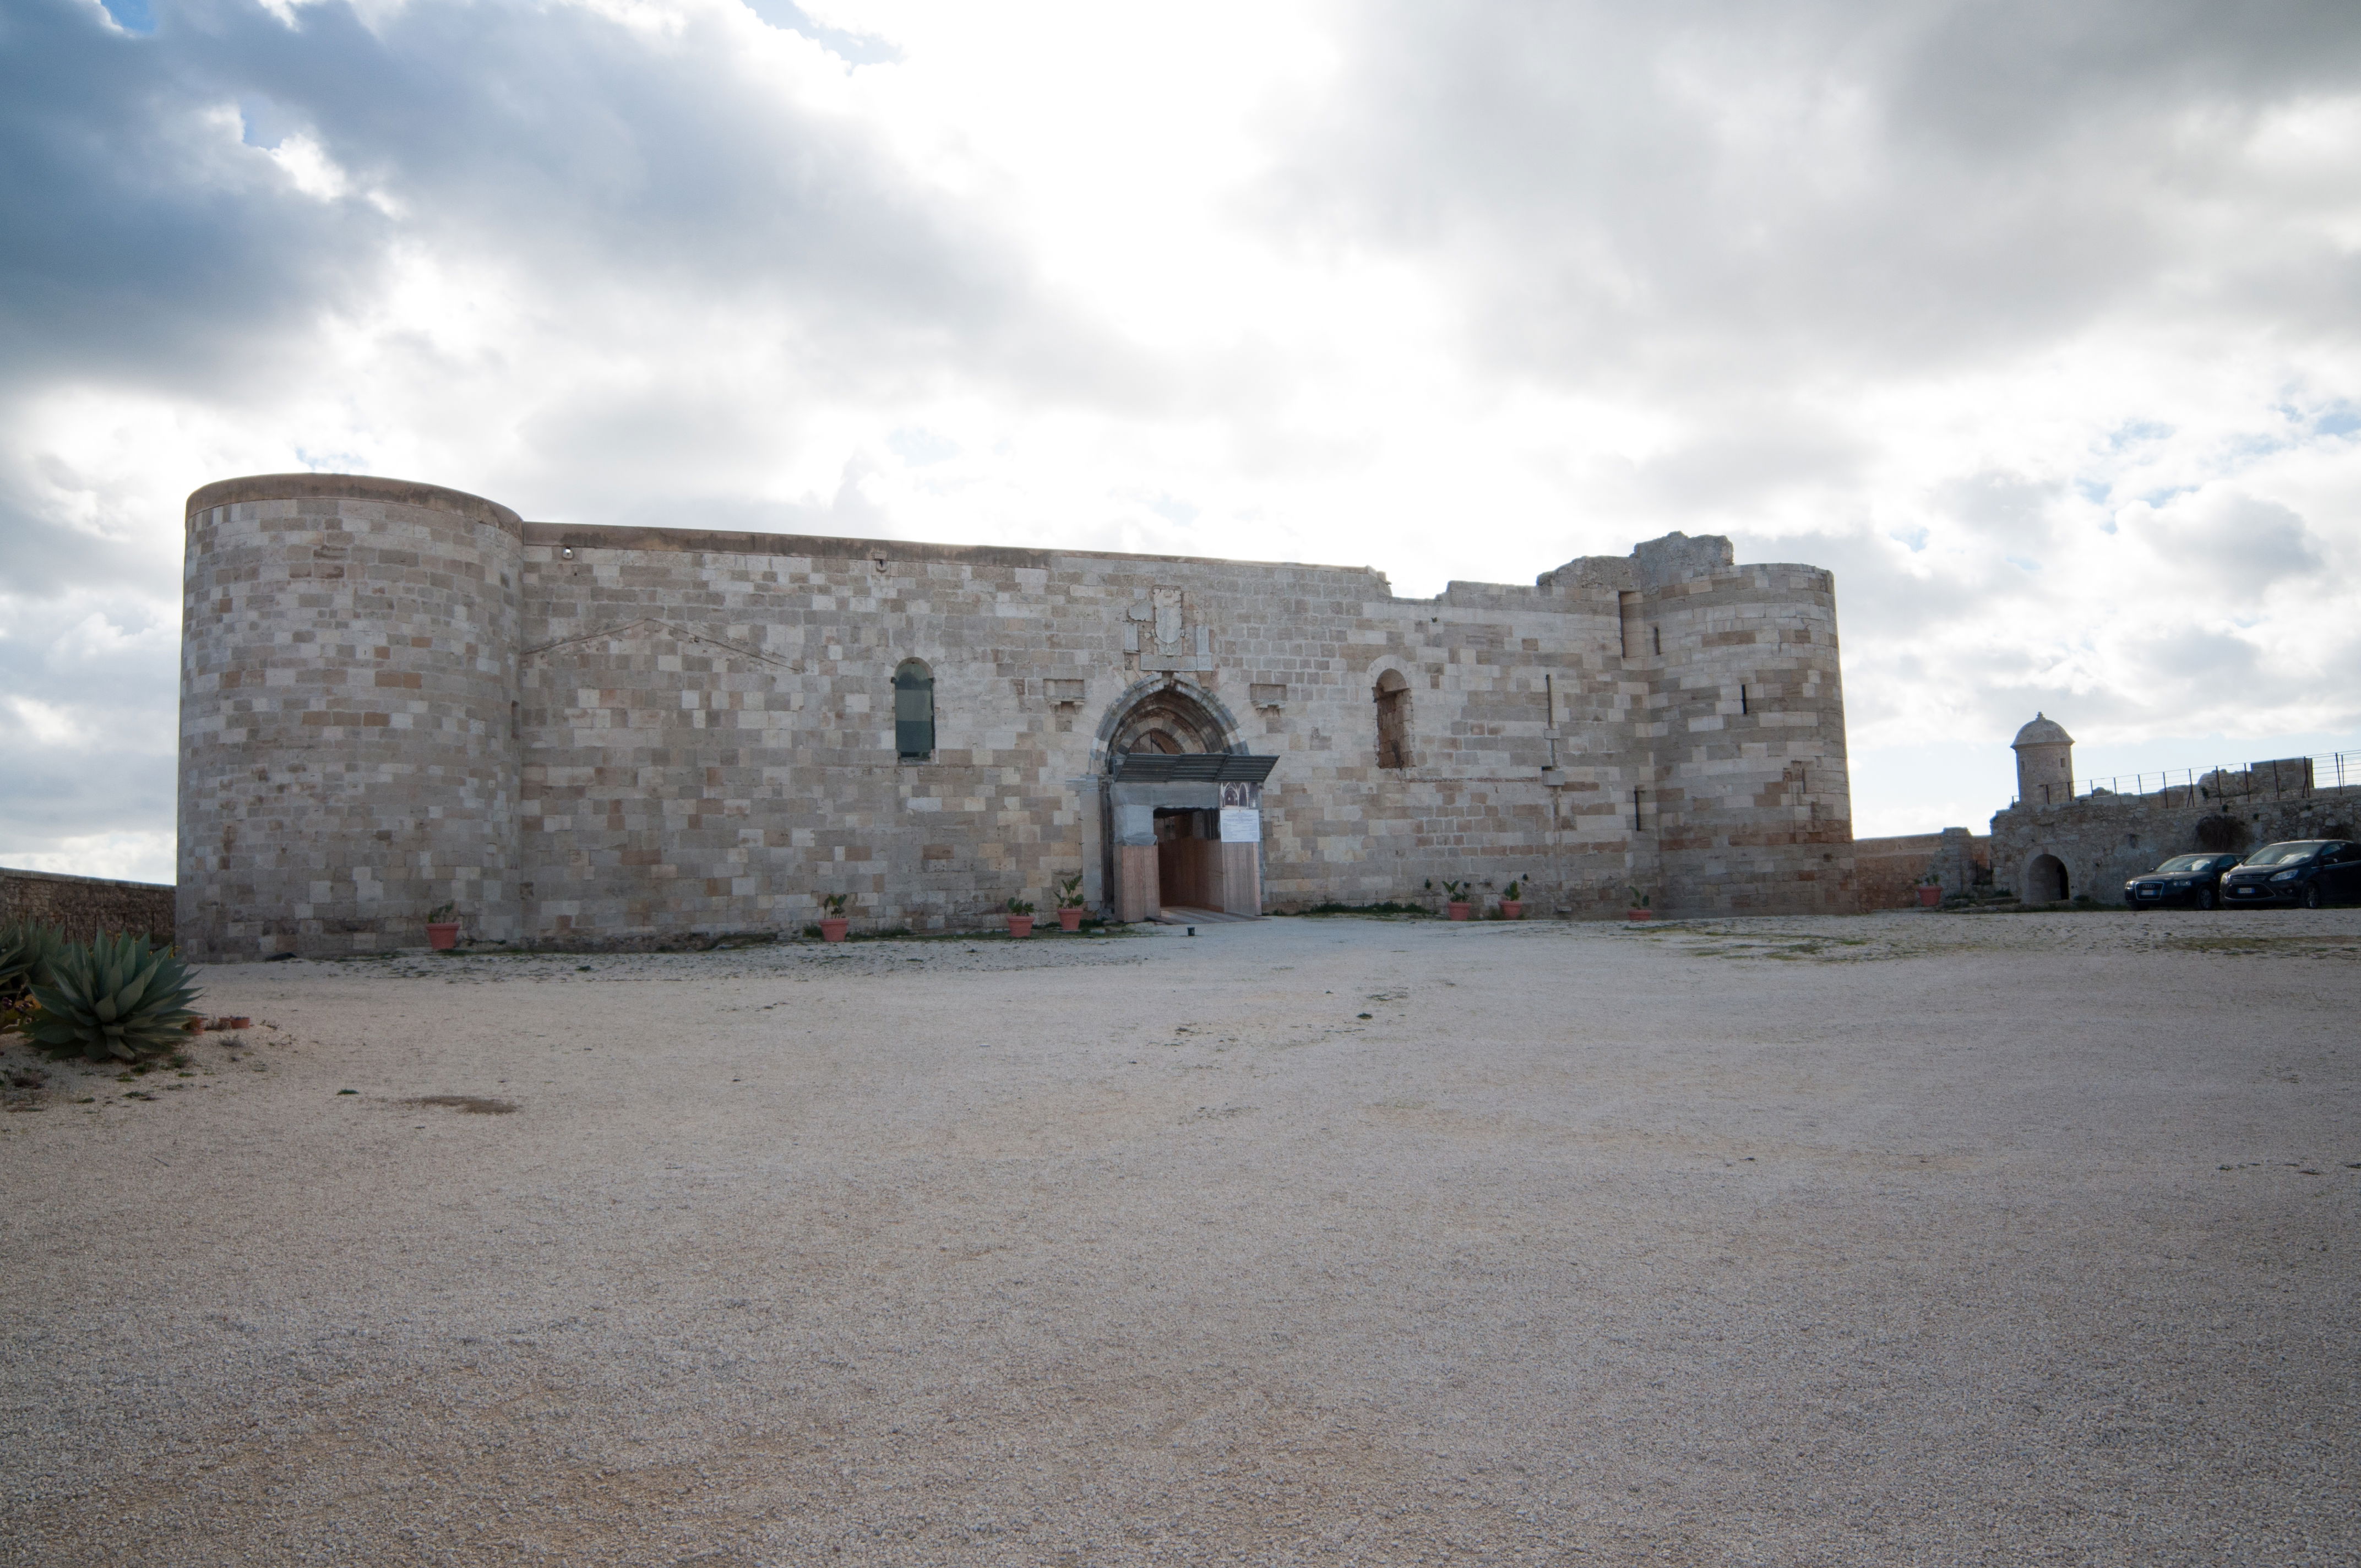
<point x="2045" y="762"/>
<point x="349" y="720"/>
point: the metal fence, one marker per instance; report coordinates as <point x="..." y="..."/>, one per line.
<point x="2275" y="779"/>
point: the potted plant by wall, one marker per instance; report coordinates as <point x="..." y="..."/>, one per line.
<point x="1639" y="910"/>
<point x="1931" y="892"/>
<point x="833" y="925"/>
<point x="1069" y="902"/>
<point x="1512" y="905"/>
<point x="443" y="927"/>
<point x="1456" y="903"/>
<point x="1020" y="917"/>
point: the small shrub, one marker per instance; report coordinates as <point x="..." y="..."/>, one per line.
<point x="1018" y="907"/>
<point x="27" y="949"/>
<point x="116" y="998"/>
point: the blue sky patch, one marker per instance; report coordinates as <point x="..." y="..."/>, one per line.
<point x="132" y="15"/>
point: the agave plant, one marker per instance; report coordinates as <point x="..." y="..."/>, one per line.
<point x="27" y="949"/>
<point x="114" y="997"/>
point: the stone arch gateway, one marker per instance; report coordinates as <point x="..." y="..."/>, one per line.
<point x="1180" y="802"/>
<point x="2045" y="880"/>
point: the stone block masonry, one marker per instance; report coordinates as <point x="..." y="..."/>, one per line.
<point x="2093" y="844"/>
<point x="1888" y="870"/>
<point x="396" y="696"/>
<point x="87" y="906"/>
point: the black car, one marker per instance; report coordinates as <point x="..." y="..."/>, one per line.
<point x="2309" y="872"/>
<point x="2193" y="880"/>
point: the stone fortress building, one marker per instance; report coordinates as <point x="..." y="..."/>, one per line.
<point x="2063" y="838"/>
<point x="2058" y="840"/>
<point x="396" y="697"/>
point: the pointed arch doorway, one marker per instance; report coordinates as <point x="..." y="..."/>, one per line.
<point x="1182" y="802"/>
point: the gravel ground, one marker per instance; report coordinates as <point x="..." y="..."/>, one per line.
<point x="1903" y="1239"/>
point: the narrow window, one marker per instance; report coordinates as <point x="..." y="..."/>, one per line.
<point x="1637" y="826"/>
<point x="1627" y="607"/>
<point x="914" y="712"/>
<point x="1657" y="633"/>
<point x="1393" y="721"/>
<point x="1742" y="708"/>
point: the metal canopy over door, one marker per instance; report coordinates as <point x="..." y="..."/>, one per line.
<point x="1183" y="810"/>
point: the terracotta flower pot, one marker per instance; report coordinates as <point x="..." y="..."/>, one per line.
<point x="442" y="935"/>
<point x="832" y="929"/>
<point x="1020" y="925"/>
<point x="1458" y="910"/>
<point x="1639" y="915"/>
<point x="1930" y="898"/>
<point x="1070" y="919"/>
<point x="1513" y="909"/>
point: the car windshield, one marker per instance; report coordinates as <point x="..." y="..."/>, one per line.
<point x="2285" y="854"/>
<point x="2187" y="863"/>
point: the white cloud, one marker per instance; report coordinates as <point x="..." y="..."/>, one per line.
<point x="1911" y="290"/>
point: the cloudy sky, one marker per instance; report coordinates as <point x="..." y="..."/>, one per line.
<point x="2035" y="321"/>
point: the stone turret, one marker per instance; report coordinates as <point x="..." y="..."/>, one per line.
<point x="2045" y="762"/>
<point x="348" y="714"/>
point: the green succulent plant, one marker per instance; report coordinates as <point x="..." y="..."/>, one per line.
<point x="27" y="949"/>
<point x="116" y="997"/>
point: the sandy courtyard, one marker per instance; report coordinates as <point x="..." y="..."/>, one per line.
<point x="1905" y="1239"/>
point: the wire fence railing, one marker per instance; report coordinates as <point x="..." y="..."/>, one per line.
<point x="2275" y="779"/>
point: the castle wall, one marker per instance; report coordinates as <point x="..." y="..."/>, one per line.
<point x="704" y="730"/>
<point x="1746" y="710"/>
<point x="1888" y="869"/>
<point x="2104" y="841"/>
<point x="87" y="906"/>
<point x="349" y="749"/>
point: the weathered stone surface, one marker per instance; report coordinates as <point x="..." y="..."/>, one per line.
<point x="2052" y="844"/>
<point x="396" y="697"/>
<point x="86" y="907"/>
<point x="1888" y="870"/>
<point x="2101" y="842"/>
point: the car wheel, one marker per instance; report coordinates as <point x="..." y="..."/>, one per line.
<point x="2205" y="898"/>
<point x="2311" y="896"/>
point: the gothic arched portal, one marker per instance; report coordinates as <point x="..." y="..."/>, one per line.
<point x="1164" y="839"/>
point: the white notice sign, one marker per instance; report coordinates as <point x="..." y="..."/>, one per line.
<point x="1241" y="824"/>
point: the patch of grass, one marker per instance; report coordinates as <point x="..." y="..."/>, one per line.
<point x="1414" y="911"/>
<point x="2305" y="946"/>
<point x="472" y="1104"/>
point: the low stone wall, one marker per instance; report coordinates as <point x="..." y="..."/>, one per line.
<point x="2099" y="842"/>
<point x="85" y="906"/>
<point x="1887" y="869"/>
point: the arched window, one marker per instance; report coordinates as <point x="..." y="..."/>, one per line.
<point x="1393" y="721"/>
<point x="914" y="711"/>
